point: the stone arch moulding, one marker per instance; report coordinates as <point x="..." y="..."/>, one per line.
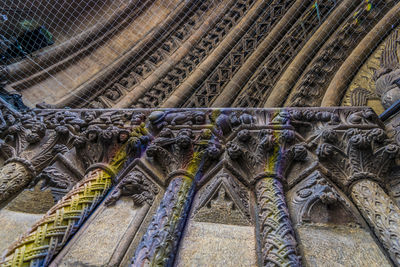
<point x="25" y="73"/>
<point x="127" y="72"/>
<point x="346" y="72"/>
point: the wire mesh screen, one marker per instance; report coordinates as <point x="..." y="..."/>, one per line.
<point x="29" y="26"/>
<point x="174" y="53"/>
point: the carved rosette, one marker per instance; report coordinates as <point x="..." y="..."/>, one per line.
<point x="278" y="243"/>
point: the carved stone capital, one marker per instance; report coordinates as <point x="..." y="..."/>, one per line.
<point x="184" y="151"/>
<point x="265" y="152"/>
<point x="356" y="154"/>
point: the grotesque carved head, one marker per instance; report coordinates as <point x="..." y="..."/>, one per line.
<point x="184" y="138"/>
<point x="89" y="115"/>
<point x="123" y="136"/>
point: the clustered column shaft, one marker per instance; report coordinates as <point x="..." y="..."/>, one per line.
<point x="382" y="214"/>
<point x="277" y="240"/>
<point x="48" y="236"/>
<point x="160" y="242"/>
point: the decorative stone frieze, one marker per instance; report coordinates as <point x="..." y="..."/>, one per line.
<point x="234" y="149"/>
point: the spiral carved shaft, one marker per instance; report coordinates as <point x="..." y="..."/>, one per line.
<point x="382" y="214"/>
<point x="278" y="244"/>
<point x="48" y="236"/>
<point x="161" y="239"/>
<point x="14" y="177"/>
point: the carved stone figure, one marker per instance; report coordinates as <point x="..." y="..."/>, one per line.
<point x="162" y="118"/>
<point x="342" y="151"/>
<point x="136" y="186"/>
<point x="387" y="77"/>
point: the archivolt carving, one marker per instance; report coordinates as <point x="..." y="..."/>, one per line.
<point x="259" y="86"/>
<point x="311" y="87"/>
<point x="222" y="74"/>
<point x="140" y="70"/>
<point x="183" y="69"/>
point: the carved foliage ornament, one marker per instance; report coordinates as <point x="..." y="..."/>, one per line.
<point x="263" y="142"/>
<point x="184" y="150"/>
<point x="39" y="245"/>
<point x="266" y="152"/>
<point x="361" y="154"/>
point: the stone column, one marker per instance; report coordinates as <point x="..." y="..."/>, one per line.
<point x="359" y="164"/>
<point x="30" y="155"/>
<point x="183" y="156"/>
<point x="49" y="235"/>
<point x="15" y="175"/>
<point x="277" y="239"/>
<point x="265" y="155"/>
<point x="159" y="244"/>
<point x="381" y="213"/>
<point x="18" y="172"/>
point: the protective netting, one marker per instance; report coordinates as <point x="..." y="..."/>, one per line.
<point x="149" y="53"/>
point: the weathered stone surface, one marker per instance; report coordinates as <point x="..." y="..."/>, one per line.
<point x="206" y="244"/>
<point x="227" y="180"/>
<point x="329" y="245"/>
<point x="13" y="224"/>
<point x="95" y="246"/>
<point x="32" y="201"/>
